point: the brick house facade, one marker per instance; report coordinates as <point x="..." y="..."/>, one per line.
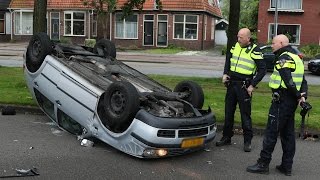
<point x="65" y="19"/>
<point x="5" y="30"/>
<point x="299" y="19"/>
<point x="188" y="23"/>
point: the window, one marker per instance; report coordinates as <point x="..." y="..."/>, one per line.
<point x="23" y="23"/>
<point x="69" y="124"/>
<point x="74" y="23"/>
<point x="287" y="4"/>
<point x="2" y="22"/>
<point x="94" y="25"/>
<point x="45" y="104"/>
<point x="126" y="28"/>
<point x="291" y="31"/>
<point x="185" y="27"/>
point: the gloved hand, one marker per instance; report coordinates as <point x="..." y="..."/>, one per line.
<point x="225" y="78"/>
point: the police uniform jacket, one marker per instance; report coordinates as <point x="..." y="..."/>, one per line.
<point x="236" y="58"/>
<point x="285" y="65"/>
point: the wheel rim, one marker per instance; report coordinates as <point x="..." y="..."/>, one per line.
<point x="36" y="48"/>
<point x="117" y="102"/>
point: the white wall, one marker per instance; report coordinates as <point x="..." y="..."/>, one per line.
<point x="221" y="37"/>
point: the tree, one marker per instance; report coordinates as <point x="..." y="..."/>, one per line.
<point x="248" y="14"/>
<point x="39" y="16"/>
<point x="233" y="27"/>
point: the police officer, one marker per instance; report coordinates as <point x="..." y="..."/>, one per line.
<point x="289" y="89"/>
<point x="242" y="63"/>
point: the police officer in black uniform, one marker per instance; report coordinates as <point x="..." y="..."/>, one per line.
<point x="289" y="89"/>
<point x="240" y="78"/>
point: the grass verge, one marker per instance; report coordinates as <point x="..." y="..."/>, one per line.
<point x="14" y="91"/>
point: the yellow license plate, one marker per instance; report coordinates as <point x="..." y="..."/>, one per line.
<point x="188" y="143"/>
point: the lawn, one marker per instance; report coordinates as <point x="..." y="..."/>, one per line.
<point x="15" y="91"/>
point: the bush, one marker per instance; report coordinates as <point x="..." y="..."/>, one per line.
<point x="224" y="50"/>
<point x="310" y="51"/>
<point x="89" y="42"/>
<point x="65" y="40"/>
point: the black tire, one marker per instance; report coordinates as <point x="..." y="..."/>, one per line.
<point x="121" y="103"/>
<point x="195" y="93"/>
<point x="39" y="47"/>
<point x="108" y="48"/>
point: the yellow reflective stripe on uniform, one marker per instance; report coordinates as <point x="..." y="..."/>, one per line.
<point x="287" y="64"/>
<point x="296" y="75"/>
<point x="256" y="55"/>
<point x="243" y="59"/>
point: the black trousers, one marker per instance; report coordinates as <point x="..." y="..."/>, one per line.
<point x="281" y="120"/>
<point x="237" y="94"/>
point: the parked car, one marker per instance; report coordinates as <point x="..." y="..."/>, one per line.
<point x="269" y="57"/>
<point x="88" y="92"/>
<point x="314" y="65"/>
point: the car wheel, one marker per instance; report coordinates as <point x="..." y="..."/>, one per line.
<point x="195" y="94"/>
<point x="106" y="48"/>
<point x="39" y="47"/>
<point x="121" y="103"/>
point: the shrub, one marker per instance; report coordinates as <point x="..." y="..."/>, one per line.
<point x="310" y="51"/>
<point x="89" y="42"/>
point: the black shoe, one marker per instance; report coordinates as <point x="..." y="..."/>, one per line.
<point x="224" y="141"/>
<point x="284" y="171"/>
<point x="259" y="167"/>
<point x="247" y="147"/>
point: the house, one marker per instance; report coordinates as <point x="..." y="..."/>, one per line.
<point x="188" y="23"/>
<point x="221" y="32"/>
<point x="183" y="23"/>
<point x="65" y="20"/>
<point x="298" y="19"/>
<point x="5" y="20"/>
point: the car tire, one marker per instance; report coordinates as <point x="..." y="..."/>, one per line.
<point x="121" y="103"/>
<point x="108" y="48"/>
<point x="39" y="47"/>
<point x="195" y="97"/>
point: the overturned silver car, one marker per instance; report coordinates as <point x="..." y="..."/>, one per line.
<point x="88" y="92"/>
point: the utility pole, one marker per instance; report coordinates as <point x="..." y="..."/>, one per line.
<point x="276" y="19"/>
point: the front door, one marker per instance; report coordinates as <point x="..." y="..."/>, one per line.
<point x="55" y="26"/>
<point x="148" y="30"/>
<point x="162" y="38"/>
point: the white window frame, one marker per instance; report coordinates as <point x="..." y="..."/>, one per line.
<point x="284" y="8"/>
<point x="51" y="28"/>
<point x="125" y="27"/>
<point x="19" y="14"/>
<point x="213" y="28"/>
<point x="72" y="21"/>
<point x="184" y="26"/>
<point x="4" y="22"/>
<point x="146" y="20"/>
<point x="166" y="21"/>
<point x="298" y="37"/>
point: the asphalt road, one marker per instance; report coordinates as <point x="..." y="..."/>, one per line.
<point x="29" y="141"/>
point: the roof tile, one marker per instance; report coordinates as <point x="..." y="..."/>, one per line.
<point x="183" y="5"/>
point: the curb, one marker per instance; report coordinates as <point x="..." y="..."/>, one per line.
<point x="237" y="129"/>
<point x="23" y="109"/>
